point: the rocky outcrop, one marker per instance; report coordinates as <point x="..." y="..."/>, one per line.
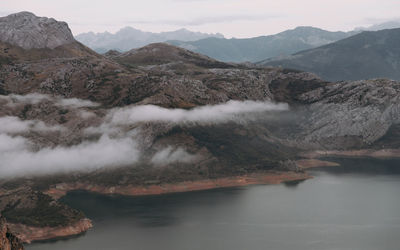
<point x="28" y="31"/>
<point x="7" y="240"/>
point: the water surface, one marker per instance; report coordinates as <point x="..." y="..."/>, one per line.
<point x="356" y="206"/>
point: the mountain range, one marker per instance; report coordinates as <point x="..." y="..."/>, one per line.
<point x="370" y="54"/>
<point x="263" y="47"/>
<point x="161" y="119"/>
<point x="228" y="50"/>
<point x="128" y="38"/>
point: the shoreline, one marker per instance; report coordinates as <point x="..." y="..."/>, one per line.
<point x="363" y="153"/>
<point x="29" y="234"/>
<point x="62" y="189"/>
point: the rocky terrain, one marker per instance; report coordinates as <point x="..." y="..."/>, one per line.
<point x="164" y="119"/>
<point x="371" y="54"/>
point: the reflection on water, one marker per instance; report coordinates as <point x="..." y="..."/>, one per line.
<point x="356" y="206"/>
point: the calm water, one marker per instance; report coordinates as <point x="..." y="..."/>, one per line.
<point x="353" y="207"/>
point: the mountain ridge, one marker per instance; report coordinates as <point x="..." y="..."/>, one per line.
<point x="370" y="54"/>
<point x="262" y="47"/>
<point x="128" y="38"/>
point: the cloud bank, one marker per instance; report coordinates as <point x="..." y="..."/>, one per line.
<point x="215" y="114"/>
<point x="19" y="156"/>
<point x="35" y="98"/>
<point x="18" y="159"/>
<point x="14" y="125"/>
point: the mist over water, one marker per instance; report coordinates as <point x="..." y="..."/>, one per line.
<point x="355" y="207"/>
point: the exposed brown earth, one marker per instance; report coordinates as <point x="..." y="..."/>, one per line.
<point x="251" y="179"/>
<point x="314" y="163"/>
<point x="382" y="153"/>
<point x="28" y="234"/>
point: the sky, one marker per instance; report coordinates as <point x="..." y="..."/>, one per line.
<point x="232" y="18"/>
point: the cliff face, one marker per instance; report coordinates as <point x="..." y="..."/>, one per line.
<point x="7" y="240"/>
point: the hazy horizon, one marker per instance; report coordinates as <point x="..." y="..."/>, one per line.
<point x="232" y="18"/>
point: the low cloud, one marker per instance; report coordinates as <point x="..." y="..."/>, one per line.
<point x="18" y="159"/>
<point x="170" y="155"/>
<point x="75" y="103"/>
<point x="220" y="113"/>
<point x="35" y="98"/>
<point x="14" y="125"/>
<point x="119" y="137"/>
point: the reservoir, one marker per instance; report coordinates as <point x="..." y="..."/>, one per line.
<point x="355" y="207"/>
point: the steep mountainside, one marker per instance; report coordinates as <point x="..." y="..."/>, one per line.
<point x="363" y="56"/>
<point x="259" y="48"/>
<point x="129" y="38"/>
<point x="164" y="119"/>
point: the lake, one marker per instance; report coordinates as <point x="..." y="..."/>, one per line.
<point x="356" y="206"/>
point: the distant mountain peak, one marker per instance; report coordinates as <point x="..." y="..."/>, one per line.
<point x="26" y="30"/>
<point x="129" y="38"/>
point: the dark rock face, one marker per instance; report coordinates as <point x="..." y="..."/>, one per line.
<point x="7" y="240"/>
<point x="28" y="31"/>
<point x="364" y="56"/>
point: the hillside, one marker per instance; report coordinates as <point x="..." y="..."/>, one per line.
<point x="363" y="56"/>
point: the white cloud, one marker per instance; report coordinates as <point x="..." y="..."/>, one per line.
<point x="118" y="144"/>
<point x="75" y="103"/>
<point x="219" y="113"/>
<point x="170" y="155"/>
<point x="35" y="98"/>
<point x="17" y="159"/>
<point x="14" y="125"/>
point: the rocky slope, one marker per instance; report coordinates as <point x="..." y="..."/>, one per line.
<point x="363" y="56"/>
<point x="7" y="240"/>
<point x="163" y="119"/>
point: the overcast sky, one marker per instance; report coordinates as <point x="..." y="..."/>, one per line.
<point x="233" y="18"/>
